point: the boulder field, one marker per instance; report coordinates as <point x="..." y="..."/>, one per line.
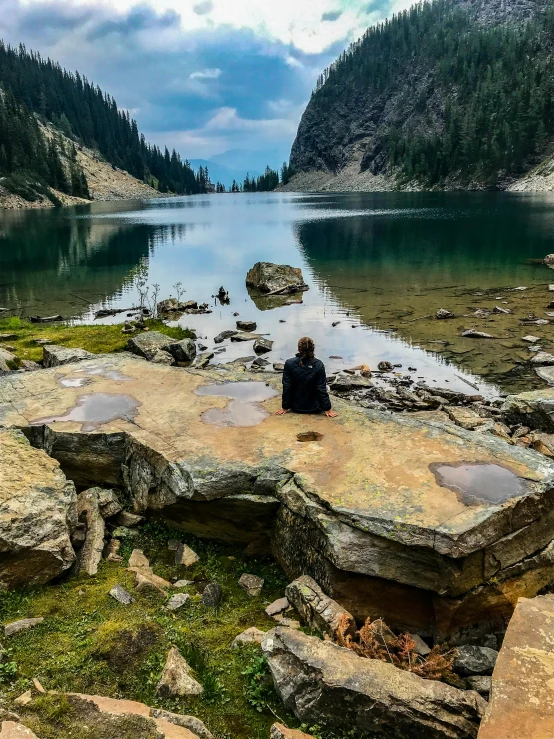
<point x="432" y="527"/>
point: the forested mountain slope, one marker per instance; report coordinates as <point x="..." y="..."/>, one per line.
<point x="450" y="94"/>
<point x="35" y="92"/>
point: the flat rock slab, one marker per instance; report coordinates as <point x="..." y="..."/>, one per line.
<point x="389" y="497"/>
<point x="374" y="469"/>
<point x="521" y="702"/>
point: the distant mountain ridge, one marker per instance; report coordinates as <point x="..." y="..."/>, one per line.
<point x="450" y="94"/>
<point x="220" y="173"/>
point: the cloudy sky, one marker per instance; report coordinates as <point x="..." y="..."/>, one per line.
<point x="203" y="76"/>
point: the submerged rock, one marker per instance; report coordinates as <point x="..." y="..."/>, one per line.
<point x="246" y="325"/>
<point x="332" y="687"/>
<point x="38" y="513"/>
<point x="262" y="346"/>
<point x="275" y="279"/>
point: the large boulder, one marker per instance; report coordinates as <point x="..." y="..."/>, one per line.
<point x="332" y="687"/>
<point x="521" y="702"/>
<point x="182" y="351"/>
<point x="37" y="514"/>
<point x="534" y="409"/>
<point x="275" y="279"/>
<point x="147" y="344"/>
<point x="55" y="356"/>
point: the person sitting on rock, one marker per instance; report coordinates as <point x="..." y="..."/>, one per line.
<point x="305" y="383"/>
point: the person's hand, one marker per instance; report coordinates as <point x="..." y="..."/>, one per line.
<point x="331" y="414"/>
<point x="281" y="412"/>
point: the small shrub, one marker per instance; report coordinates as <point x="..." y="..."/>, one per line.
<point x="258" y="689"/>
<point x="380" y="643"/>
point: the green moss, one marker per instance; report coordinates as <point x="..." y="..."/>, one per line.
<point x="99" y="339"/>
<point x="89" y="643"/>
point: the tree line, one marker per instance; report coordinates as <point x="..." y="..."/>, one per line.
<point x="485" y="110"/>
<point x="33" y="85"/>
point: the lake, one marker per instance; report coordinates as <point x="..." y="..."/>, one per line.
<point x="379" y="264"/>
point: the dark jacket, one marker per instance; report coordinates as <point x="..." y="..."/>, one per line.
<point x="305" y="387"/>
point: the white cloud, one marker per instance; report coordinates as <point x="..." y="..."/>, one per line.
<point x="206" y="74"/>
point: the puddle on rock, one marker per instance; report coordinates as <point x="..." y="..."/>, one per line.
<point x="96" y="409"/>
<point x="102" y="369"/>
<point x="244" y="409"/>
<point x="479" y="482"/>
<point x="309" y="436"/>
<point x="73" y="381"/>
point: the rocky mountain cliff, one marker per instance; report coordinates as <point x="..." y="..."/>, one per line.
<point x="450" y="94"/>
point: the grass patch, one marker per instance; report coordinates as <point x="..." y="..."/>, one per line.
<point x="89" y="643"/>
<point x="100" y="339"/>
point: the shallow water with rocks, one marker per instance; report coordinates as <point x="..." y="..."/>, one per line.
<point x="379" y="267"/>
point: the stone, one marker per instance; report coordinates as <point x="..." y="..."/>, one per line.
<point x="182" y="351"/>
<point x="369" y="512"/>
<point x="278" y="731"/>
<point x="222" y="335"/>
<point x="249" y="636"/>
<point x="242" y="336"/>
<point x="38" y="513"/>
<point x="55" y="356"/>
<point x="186" y="556"/>
<point x="138" y="560"/>
<point x="177" y="601"/>
<point x="497" y="310"/>
<point x="176" y="679"/>
<point x="521" y="703"/>
<point x="546" y="373"/>
<point x="121" y="595"/>
<point x="147" y="580"/>
<point x="38" y="687"/>
<point x="88" y="511"/>
<point x="160" y="356"/>
<point x="473" y="660"/>
<point x="147" y="721"/>
<point x="129" y="520"/>
<point x="275" y="279"/>
<point x="108" y="503"/>
<point x="122" y="532"/>
<point x="111" y="551"/>
<point x="15" y="730"/>
<point x="211" y="597"/>
<point x="481" y="683"/>
<point x="542" y="358"/>
<point x="252" y="584"/>
<point x="289" y="623"/>
<point x="442" y="314"/>
<point x="421" y="647"/>
<point x="23" y="624"/>
<point x="332" y="687"/>
<point x="246" y="325"/>
<point x="315" y="608"/>
<point x="183" y="583"/>
<point x="464" y="417"/>
<point x="202" y="360"/>
<point x="549" y="260"/>
<point x="193" y="724"/>
<point x="260" y="362"/>
<point x="495" y="428"/>
<point x="343" y="383"/>
<point x="262" y="346"/>
<point x="385" y="367"/>
<point x="278" y="366"/>
<point x="473" y="334"/>
<point x="278" y="606"/>
<point x="147" y="344"/>
<point x="28" y="365"/>
<point x="543" y="443"/>
<point x="173" y="545"/>
<point x="534" y="409"/>
<point x="24" y="699"/>
<point x="7" y="359"/>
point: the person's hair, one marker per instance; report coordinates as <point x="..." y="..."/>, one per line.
<point x="306" y="349"/>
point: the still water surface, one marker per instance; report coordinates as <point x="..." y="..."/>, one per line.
<point x="378" y="263"/>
